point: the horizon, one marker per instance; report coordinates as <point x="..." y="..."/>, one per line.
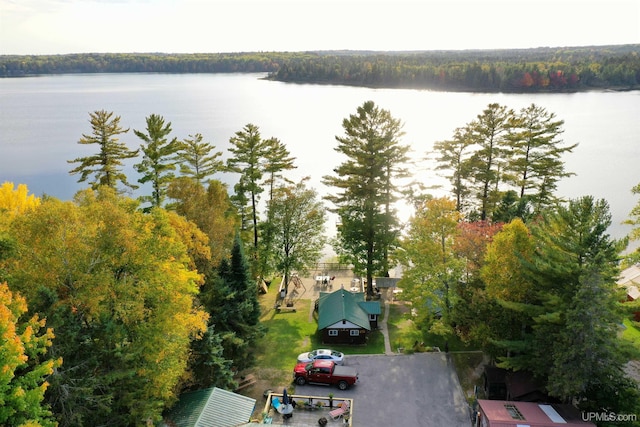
<point x="59" y="27"/>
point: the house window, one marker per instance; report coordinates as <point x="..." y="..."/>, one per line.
<point x="354" y="332"/>
<point x="333" y="332"/>
<point x="372" y="317"/>
<point x="514" y="412"/>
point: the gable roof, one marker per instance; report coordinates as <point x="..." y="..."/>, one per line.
<point x="344" y="305"/>
<point x="630" y="279"/>
<point x="212" y="407"/>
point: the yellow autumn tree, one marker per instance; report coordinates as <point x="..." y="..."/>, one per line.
<point x="119" y="288"/>
<point x="22" y="372"/>
<point x="16" y="201"/>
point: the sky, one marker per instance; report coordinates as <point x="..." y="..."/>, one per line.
<point x="190" y="26"/>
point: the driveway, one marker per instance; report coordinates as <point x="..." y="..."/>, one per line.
<point x="420" y="389"/>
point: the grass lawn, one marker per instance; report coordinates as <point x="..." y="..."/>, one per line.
<point x="631" y="340"/>
<point x="290" y="333"/>
<point x="403" y="332"/>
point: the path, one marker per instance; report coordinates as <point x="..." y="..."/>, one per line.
<point x="385" y="330"/>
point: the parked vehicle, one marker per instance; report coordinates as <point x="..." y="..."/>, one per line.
<point x="325" y="372"/>
<point x="322" y="354"/>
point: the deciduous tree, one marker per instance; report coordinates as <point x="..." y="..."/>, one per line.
<point x="298" y="219"/>
<point x="24" y="368"/>
<point x="431" y="267"/>
<point x="115" y="284"/>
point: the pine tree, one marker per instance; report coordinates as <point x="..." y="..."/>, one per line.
<point x="536" y="165"/>
<point x="248" y="155"/>
<point x="197" y="159"/>
<point x="572" y="343"/>
<point x="106" y="165"/>
<point x="365" y="181"/>
<point x="157" y="164"/>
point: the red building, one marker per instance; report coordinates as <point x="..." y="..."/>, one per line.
<point x="502" y="413"/>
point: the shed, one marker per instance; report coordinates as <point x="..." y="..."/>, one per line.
<point x="629" y="280"/>
<point x="212" y="407"/>
<point x="502" y="413"/>
<point x="345" y="317"/>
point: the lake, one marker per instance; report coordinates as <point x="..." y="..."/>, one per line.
<point x="42" y="118"/>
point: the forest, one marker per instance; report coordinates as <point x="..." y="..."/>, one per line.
<point x="544" y="69"/>
<point x="113" y="306"/>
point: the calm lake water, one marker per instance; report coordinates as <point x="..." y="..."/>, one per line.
<point x="42" y="118"/>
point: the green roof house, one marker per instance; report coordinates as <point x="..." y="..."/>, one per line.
<point x="345" y="317"/>
<point x="212" y="407"/>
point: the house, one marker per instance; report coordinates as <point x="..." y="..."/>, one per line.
<point x="630" y="281"/>
<point x="502" y="413"/>
<point x="346" y="317"/>
<point x="501" y="384"/>
<point x="212" y="407"/>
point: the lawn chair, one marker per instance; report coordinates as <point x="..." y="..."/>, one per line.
<point x="342" y="409"/>
<point x="275" y="402"/>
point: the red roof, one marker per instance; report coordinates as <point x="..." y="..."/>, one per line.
<point x="500" y="413"/>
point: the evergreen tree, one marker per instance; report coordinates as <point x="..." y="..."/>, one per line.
<point x="106" y="165"/>
<point x="573" y="343"/>
<point x="248" y="151"/>
<point x="277" y="160"/>
<point x="536" y="165"/>
<point x="197" y="159"/>
<point x="487" y="166"/>
<point x="368" y="228"/>
<point x="157" y="164"/>
<point x="234" y="307"/>
<point x="454" y="157"/>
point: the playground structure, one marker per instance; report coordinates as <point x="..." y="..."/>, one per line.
<point x="287" y="300"/>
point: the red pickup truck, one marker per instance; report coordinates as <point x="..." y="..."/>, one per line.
<point x="325" y="372"/>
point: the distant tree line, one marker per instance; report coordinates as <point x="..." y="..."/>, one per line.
<point x="542" y="69"/>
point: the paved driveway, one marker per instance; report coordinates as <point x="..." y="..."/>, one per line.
<point x="420" y="389"/>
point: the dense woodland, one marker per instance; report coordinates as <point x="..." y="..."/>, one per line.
<point x="111" y="307"/>
<point x="542" y="69"/>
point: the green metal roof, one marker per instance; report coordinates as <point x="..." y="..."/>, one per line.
<point x="371" y="307"/>
<point x="213" y="407"/>
<point x="343" y="305"/>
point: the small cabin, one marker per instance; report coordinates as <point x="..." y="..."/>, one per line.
<point x="345" y="317"/>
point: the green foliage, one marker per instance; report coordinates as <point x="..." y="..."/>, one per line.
<point x="232" y="301"/>
<point x="211" y="210"/>
<point x="197" y="159"/>
<point x="297" y="219"/>
<point x="544" y="69"/>
<point x="115" y="285"/>
<point x="504" y="164"/>
<point x="431" y="267"/>
<point x="106" y="165"/>
<point x="23" y="367"/>
<point x="572" y="341"/>
<point x="157" y="163"/>
<point x="366" y="187"/>
<point x="248" y="151"/>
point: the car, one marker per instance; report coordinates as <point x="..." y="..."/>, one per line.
<point x="322" y="354"/>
